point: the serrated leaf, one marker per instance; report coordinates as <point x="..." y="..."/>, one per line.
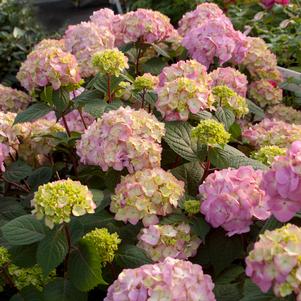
<point x="97" y="107"/>
<point x="199" y="227"/>
<point x="191" y="174"/>
<point x="84" y="268"/>
<point x="9" y="210"/>
<point x="175" y="218"/>
<point x="34" y="112"/>
<point x="62" y="290"/>
<point x="179" y="140"/>
<point x="17" y="171"/>
<point x="201" y="115"/>
<point x="225" y="116"/>
<point x="227" y="292"/>
<point x="40" y="176"/>
<point x="52" y="250"/>
<point x="86" y="96"/>
<point x="229" y="156"/>
<point x="60" y="100"/>
<point x="24" y="256"/>
<point x="130" y="256"/>
<point x="230" y="275"/>
<point x="23" y="230"/>
<point x="154" y="65"/>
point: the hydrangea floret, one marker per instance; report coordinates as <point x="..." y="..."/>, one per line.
<point x="48" y="43"/>
<point x="232" y="198"/>
<point x="282" y="184"/>
<point x="105" y="18"/>
<point x="192" y="206"/>
<point x="145" y="195"/>
<point x="49" y="66"/>
<point x="284" y="113"/>
<point x="265" y="93"/>
<point x="123" y="138"/>
<point x="161" y="241"/>
<point x="210" y="132"/>
<point x="84" y="40"/>
<point x="231" y="78"/>
<point x="104" y="243"/>
<point x="227" y="98"/>
<point x="145" y="82"/>
<point x="274" y="261"/>
<point x="272" y="132"/>
<point x="57" y="201"/>
<point x="183" y="88"/>
<point x="4" y="154"/>
<point x="267" y="154"/>
<point x="8" y="134"/>
<point x="110" y="62"/>
<point x="172" y="279"/>
<point x="12" y="100"/>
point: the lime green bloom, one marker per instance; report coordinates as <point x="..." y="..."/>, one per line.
<point x="57" y="201"/>
<point x="104" y="243"/>
<point x="23" y="277"/>
<point x="192" y="206"/>
<point x="211" y="132"/>
<point x="227" y="98"/>
<point x="267" y="154"/>
<point x="145" y="82"/>
<point x="110" y="61"/>
<point x="4" y="256"/>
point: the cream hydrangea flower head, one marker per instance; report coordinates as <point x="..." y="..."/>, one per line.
<point x="145" y="82"/>
<point x="110" y="61"/>
<point x="210" y="132"/>
<point x="4" y="256"/>
<point x="192" y="206"/>
<point x="266" y="154"/>
<point x="58" y="201"/>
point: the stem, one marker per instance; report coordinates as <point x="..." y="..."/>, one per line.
<point x="82" y="118"/>
<point x="17" y="185"/>
<point x="7" y="277"/>
<point x="137" y="61"/>
<point x="206" y="171"/>
<point x="143" y="99"/>
<point x="109" y="89"/>
<point x="68" y="237"/>
<point x="66" y="125"/>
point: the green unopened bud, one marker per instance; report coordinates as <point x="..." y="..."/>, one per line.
<point x="104" y="243"/>
<point x="145" y="82"/>
<point x="110" y="61"/>
<point x="211" y="132"/>
<point x="267" y="154"/>
<point x="192" y="206"/>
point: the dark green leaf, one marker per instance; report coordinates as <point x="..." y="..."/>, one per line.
<point x="17" y="171"/>
<point x="175" y="218"/>
<point x="98" y="196"/>
<point x="52" y="250"/>
<point x="10" y="209"/>
<point x="154" y="65"/>
<point x="199" y="226"/>
<point x="60" y="100"/>
<point x="34" y="112"/>
<point x="46" y="95"/>
<point x="24" y="256"/>
<point x="40" y="176"/>
<point x="84" y="268"/>
<point x="23" y="230"/>
<point x="225" y="116"/>
<point x="201" y="115"/>
<point x="230" y="275"/>
<point x="235" y="131"/>
<point x="62" y="290"/>
<point x="29" y="293"/>
<point x="271" y="224"/>
<point x="130" y="256"/>
<point x="160" y="51"/>
<point x="86" y="96"/>
<point x="97" y="107"/>
<point x="227" y="292"/>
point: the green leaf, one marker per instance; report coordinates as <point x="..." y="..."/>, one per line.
<point x="86" y="96"/>
<point x="46" y="94"/>
<point x="199" y="226"/>
<point x="29" y="293"/>
<point x="62" y="290"/>
<point x="130" y="256"/>
<point x="201" y="115"/>
<point x="98" y="196"/>
<point x="256" y="110"/>
<point x="40" y="176"/>
<point x="84" y="268"/>
<point x="60" y="100"/>
<point x="154" y="65"/>
<point x="52" y="250"/>
<point x="97" y="107"/>
<point x="191" y="174"/>
<point x="225" y="116"/>
<point x="126" y="47"/>
<point x="235" y="131"/>
<point x="179" y="140"/>
<point x="17" y="171"/>
<point x="227" y="292"/>
<point x="232" y="157"/>
<point x="230" y="275"/>
<point x="10" y="209"/>
<point x="24" y="256"/>
<point x="175" y="218"/>
<point x="34" y="112"/>
<point x="23" y="230"/>
<point x="271" y="224"/>
<point x="160" y="51"/>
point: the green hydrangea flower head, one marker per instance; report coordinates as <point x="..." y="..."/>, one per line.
<point x="227" y="98"/>
<point x="211" y="132"/>
<point x="266" y="154"/>
<point x="145" y="82"/>
<point x="23" y="277"/>
<point x="104" y="243"/>
<point x="110" y="62"/>
<point x="192" y="206"/>
<point x="58" y="201"/>
<point x="4" y="256"/>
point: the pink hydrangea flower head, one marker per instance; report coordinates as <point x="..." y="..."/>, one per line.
<point x="104" y="18"/>
<point x="260" y="61"/>
<point x="264" y="93"/>
<point x="49" y="66"/>
<point x="4" y="154"/>
<point x="84" y="40"/>
<point x="231" y="78"/>
<point x="123" y="138"/>
<point x="183" y="88"/>
<point x="202" y="13"/>
<point x="143" y="25"/>
<point x="272" y="132"/>
<point x="282" y="184"/>
<point x="12" y="100"/>
<point x="78" y="122"/>
<point x="8" y="134"/>
<point x="274" y="261"/>
<point x="232" y="198"/>
<point x="172" y="279"/>
<point x="216" y="38"/>
<point x="161" y="241"/>
<point x="48" y="43"/>
<point x="146" y="194"/>
<point x="270" y="3"/>
<point x="284" y="113"/>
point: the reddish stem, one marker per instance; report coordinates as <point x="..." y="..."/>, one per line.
<point x="66" y="125"/>
<point x="109" y="89"/>
<point x="82" y="118"/>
